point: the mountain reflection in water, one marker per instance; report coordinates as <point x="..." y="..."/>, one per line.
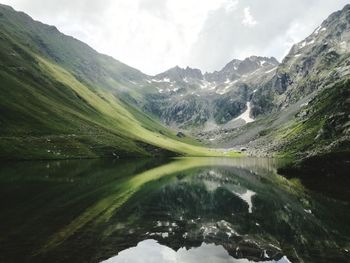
<point x="149" y="251"/>
<point x="178" y="210"/>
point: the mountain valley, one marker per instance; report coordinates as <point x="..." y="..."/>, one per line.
<point x="100" y="162"/>
<point x="63" y="99"/>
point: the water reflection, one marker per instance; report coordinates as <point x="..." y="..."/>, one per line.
<point x="180" y="210"/>
<point x="149" y="251"/>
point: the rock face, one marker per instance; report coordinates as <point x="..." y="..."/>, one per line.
<point x="257" y="90"/>
<point x="186" y="98"/>
<point x="237" y="69"/>
<point x="180" y="74"/>
<point x="304" y="97"/>
<point x="321" y="59"/>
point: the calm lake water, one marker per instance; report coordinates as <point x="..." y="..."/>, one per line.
<point x="180" y="210"/>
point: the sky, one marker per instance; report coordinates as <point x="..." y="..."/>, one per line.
<point x="155" y="35"/>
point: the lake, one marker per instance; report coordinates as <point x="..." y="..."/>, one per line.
<point x="166" y="210"/>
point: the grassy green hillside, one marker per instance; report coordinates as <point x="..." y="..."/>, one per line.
<point x="61" y="99"/>
<point x="318" y="142"/>
<point x="321" y="126"/>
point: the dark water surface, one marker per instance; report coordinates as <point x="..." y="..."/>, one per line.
<point x="180" y="210"/>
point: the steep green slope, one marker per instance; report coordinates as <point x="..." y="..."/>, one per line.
<point x="74" y="55"/>
<point x="316" y="125"/>
<point x="321" y="126"/>
<point x="319" y="141"/>
<point x="61" y="99"/>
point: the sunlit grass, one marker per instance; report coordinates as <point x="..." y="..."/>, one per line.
<point x="119" y="119"/>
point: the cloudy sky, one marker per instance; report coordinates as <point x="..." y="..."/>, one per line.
<point x="154" y="35"/>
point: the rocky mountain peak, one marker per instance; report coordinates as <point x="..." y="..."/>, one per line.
<point x="312" y="64"/>
<point x="237" y="68"/>
<point x="253" y="63"/>
<point x="332" y="37"/>
<point x="178" y="74"/>
<point x="232" y="65"/>
<point x="268" y="86"/>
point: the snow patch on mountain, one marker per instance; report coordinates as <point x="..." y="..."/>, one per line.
<point x="246" y="115"/>
<point x="269" y="71"/>
<point x="161" y="80"/>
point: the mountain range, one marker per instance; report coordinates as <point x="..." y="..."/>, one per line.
<point x="62" y="99"/>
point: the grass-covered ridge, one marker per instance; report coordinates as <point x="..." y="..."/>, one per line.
<point x="321" y="126"/>
<point x="61" y="99"/>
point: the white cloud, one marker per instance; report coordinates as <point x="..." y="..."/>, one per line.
<point x="248" y="19"/>
<point x="278" y="25"/>
<point x="231" y="5"/>
<point x="151" y="35"/>
<point x="154" y="35"/>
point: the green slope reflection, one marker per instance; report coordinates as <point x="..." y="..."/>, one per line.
<point x="240" y="209"/>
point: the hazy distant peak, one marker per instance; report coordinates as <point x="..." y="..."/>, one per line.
<point x="177" y="73"/>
